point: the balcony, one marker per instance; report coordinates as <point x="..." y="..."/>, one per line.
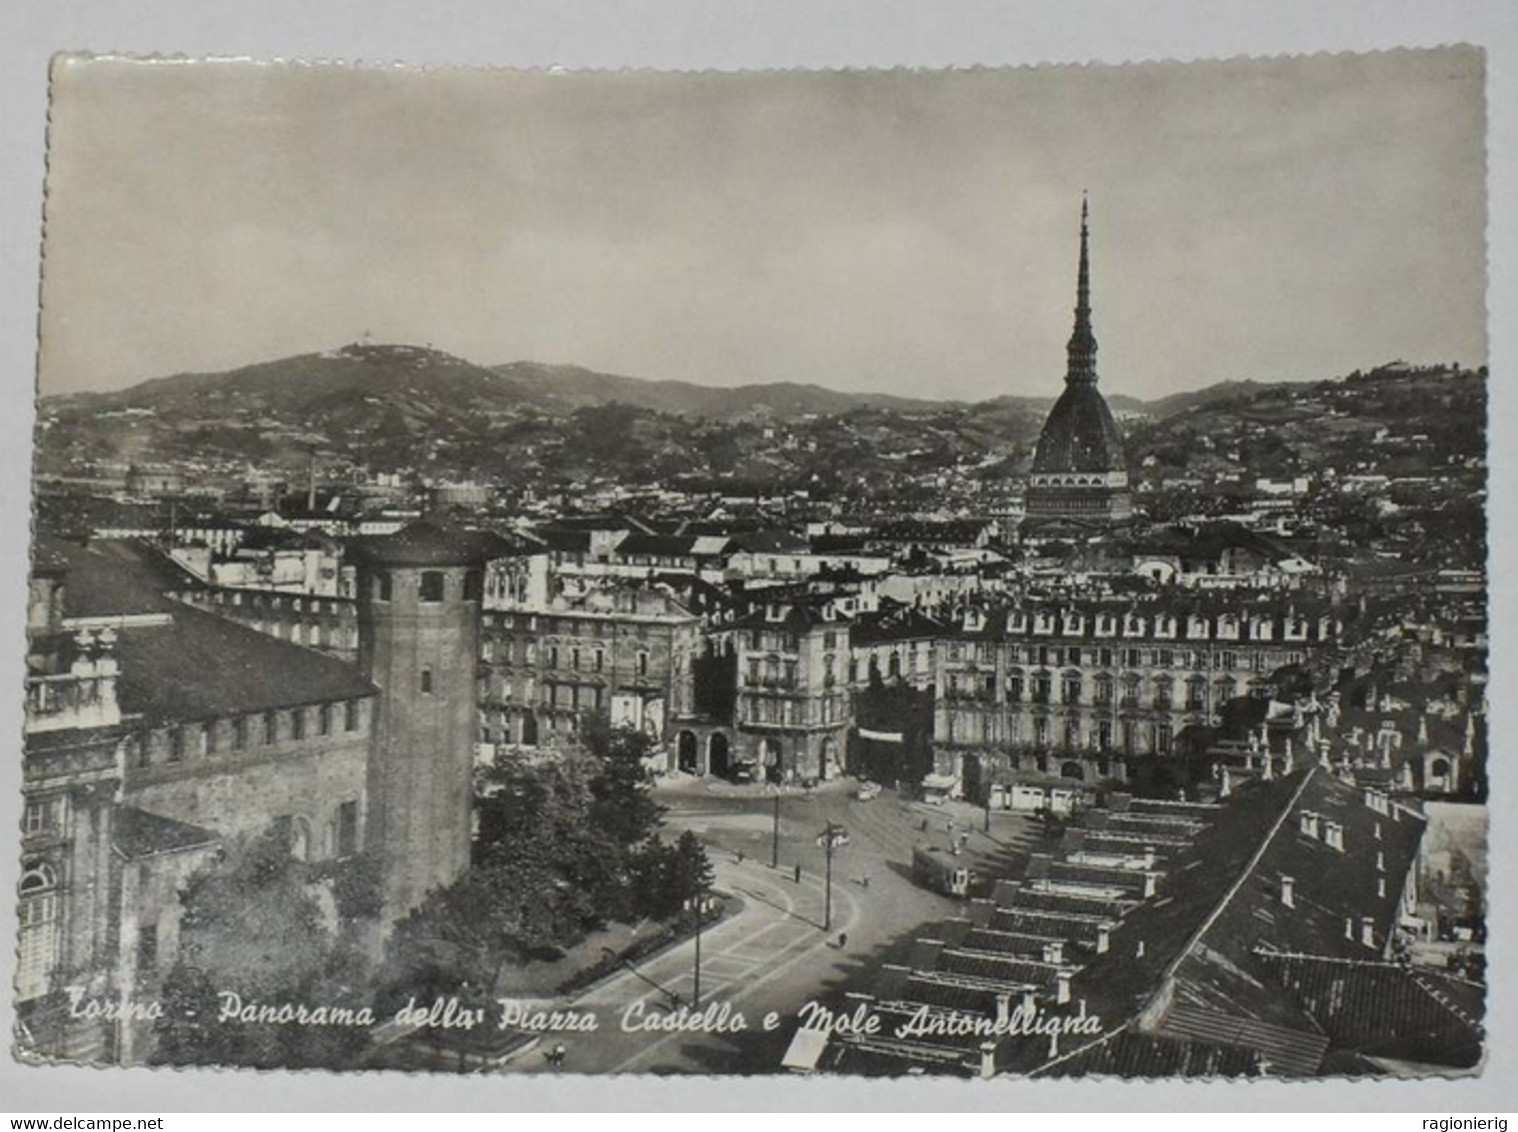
<point x="84" y="698"/>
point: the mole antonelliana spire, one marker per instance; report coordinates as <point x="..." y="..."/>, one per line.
<point x="1082" y="348"/>
<point x="1079" y="472"/>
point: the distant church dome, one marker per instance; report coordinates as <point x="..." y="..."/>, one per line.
<point x="1079" y="471"/>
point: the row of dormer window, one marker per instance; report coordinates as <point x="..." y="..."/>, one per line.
<point x="1226" y="626"/>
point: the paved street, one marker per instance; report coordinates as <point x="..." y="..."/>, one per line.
<point x="774" y="955"/>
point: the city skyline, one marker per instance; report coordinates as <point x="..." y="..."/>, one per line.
<point x="861" y="232"/>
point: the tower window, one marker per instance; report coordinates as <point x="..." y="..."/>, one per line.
<point x="347" y="829"/>
<point x="426" y="681"/>
<point x="474" y="584"/>
<point x="382" y="587"/>
<point x="433" y="583"/>
<point x="350" y="716"/>
<point x="271" y="727"/>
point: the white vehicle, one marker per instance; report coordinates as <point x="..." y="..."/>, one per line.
<point x="868" y="791"/>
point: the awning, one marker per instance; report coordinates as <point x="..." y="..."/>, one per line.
<point x="882" y="736"/>
<point x="805" y="1050"/>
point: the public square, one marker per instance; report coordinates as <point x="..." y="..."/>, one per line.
<point x="773" y="954"/>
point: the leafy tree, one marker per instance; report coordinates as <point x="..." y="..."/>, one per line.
<point x="691" y="870"/>
<point x="461" y="939"/>
<point x="622" y="787"/>
<point x="252" y="927"/>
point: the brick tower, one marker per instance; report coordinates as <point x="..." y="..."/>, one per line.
<point x="419" y="596"/>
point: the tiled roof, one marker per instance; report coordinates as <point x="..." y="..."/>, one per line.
<point x="661" y="546"/>
<point x="205" y="667"/>
<point x="1127" y="1052"/>
<point x="429" y="543"/>
<point x="137" y="834"/>
<point x="198" y="666"/>
<point x="771" y="541"/>
<point x="896" y="623"/>
<point x="115" y="579"/>
<point x="1385" y="1009"/>
<point x="567" y="542"/>
<point x="1153" y="934"/>
<point x="1334" y="891"/>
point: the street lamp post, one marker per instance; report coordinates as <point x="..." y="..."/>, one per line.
<point x="775" y="838"/>
<point x="827" y="901"/>
<point x="695" y="990"/>
<point x="700" y="902"/>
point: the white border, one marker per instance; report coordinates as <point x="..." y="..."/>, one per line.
<point x="692" y="34"/>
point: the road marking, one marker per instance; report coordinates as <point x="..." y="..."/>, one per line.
<point x="786" y="961"/>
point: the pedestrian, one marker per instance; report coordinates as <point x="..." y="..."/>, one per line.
<point x="864" y="881"/>
<point x="924" y="826"/>
<point x="797" y="877"/>
<point x="843" y="940"/>
<point x="740" y="856"/>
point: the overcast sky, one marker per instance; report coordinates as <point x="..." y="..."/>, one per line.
<point x="907" y="233"/>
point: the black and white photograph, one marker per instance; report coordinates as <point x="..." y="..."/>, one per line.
<point x="954" y="573"/>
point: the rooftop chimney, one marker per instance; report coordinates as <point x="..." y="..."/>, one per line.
<point x="987" y="1060"/>
<point x="1368" y="931"/>
<point x="1381" y="887"/>
<point x="1103" y="938"/>
<point x="1288" y="891"/>
<point x="1062" y="986"/>
<point x="1333" y="834"/>
<point x="1054" y="951"/>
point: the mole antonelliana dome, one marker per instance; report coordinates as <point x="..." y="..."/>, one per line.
<point x="1079" y="471"/>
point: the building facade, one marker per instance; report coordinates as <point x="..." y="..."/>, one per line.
<point x="625" y="650"/>
<point x="1078" y="690"/>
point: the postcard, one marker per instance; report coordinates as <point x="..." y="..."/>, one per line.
<point x="966" y="573"/>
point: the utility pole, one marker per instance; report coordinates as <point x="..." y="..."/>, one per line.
<point x="827" y="904"/>
<point x="775" y="839"/>
<point x="695" y="991"/>
<point x="695" y="994"/>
